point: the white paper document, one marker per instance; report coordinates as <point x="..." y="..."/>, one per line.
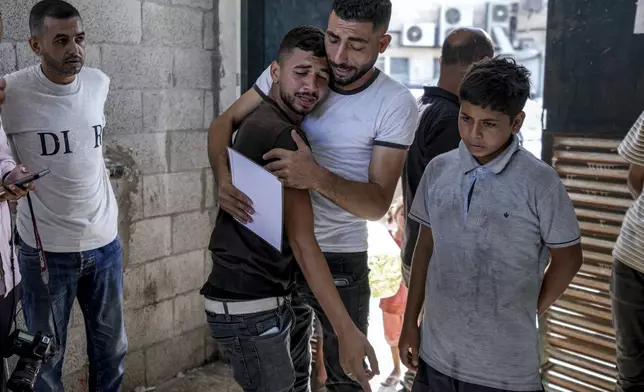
<point x="639" y="18"/>
<point x="265" y="190"/>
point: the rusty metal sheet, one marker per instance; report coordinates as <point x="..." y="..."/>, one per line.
<point x="580" y="338"/>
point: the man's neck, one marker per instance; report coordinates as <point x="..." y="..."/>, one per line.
<point x="55" y="77"/>
<point x="364" y="79"/>
<point x="275" y="96"/>
<point x="450" y="81"/>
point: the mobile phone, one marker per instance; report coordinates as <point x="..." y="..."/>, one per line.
<point x="30" y="178"/>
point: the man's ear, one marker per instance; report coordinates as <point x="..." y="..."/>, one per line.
<point x="384" y="42"/>
<point x="35" y="46"/>
<point x="518" y="122"/>
<point x="275" y="72"/>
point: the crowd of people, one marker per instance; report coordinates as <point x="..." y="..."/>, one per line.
<point x="488" y="235"/>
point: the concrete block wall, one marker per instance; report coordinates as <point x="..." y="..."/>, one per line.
<point x="163" y="58"/>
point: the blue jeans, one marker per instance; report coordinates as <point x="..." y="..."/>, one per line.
<point x="351" y="275"/>
<point x="258" y="348"/>
<point x="95" y="277"/>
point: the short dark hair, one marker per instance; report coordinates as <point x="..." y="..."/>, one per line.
<point x="306" y="38"/>
<point x="474" y="47"/>
<point x="498" y="83"/>
<point x="57" y="9"/>
<point x="377" y="12"/>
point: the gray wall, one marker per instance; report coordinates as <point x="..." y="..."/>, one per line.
<point x="167" y="83"/>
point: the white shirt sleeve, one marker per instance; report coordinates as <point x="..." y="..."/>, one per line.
<point x="398" y="122"/>
<point x="264" y="82"/>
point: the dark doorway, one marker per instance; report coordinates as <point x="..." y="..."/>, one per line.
<point x="264" y="23"/>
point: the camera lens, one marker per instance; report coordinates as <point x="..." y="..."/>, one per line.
<point x="24" y="377"/>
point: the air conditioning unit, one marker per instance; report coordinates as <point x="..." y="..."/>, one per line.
<point x="419" y="35"/>
<point x="501" y="15"/>
<point x="452" y="17"/>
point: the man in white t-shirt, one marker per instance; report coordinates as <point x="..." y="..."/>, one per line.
<point x="359" y="137"/>
<point x="54" y="117"/>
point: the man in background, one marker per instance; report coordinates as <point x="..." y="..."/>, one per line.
<point x="627" y="285"/>
<point x="54" y="117"/>
<point x="437" y="131"/>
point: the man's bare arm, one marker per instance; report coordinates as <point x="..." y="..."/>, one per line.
<point x="564" y="264"/>
<point x="229" y="198"/>
<point x="221" y="131"/>
<point x="299" y="227"/>
<point x="635" y="180"/>
<point x="369" y="200"/>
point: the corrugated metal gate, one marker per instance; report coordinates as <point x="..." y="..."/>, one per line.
<point x="580" y="340"/>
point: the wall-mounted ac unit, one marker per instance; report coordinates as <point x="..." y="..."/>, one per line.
<point x="452" y="17"/>
<point x="501" y="15"/>
<point x="419" y="35"/>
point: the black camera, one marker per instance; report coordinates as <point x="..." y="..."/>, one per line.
<point x="33" y="351"/>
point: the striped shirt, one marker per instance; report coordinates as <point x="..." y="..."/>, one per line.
<point x="629" y="248"/>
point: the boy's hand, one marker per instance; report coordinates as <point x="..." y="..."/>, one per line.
<point x="409" y="345"/>
<point x="354" y="346"/>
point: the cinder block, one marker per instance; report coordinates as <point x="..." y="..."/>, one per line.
<point x="206" y="4"/>
<point x="170" y="193"/>
<point x="124" y="111"/>
<point x="8" y="62"/>
<point x="207" y="257"/>
<point x="132" y="67"/>
<point x="134" y="287"/>
<point x="188" y="151"/>
<point x="173" y="275"/>
<point x="15" y="18"/>
<point x="129" y="196"/>
<point x="172" y="26"/>
<point x="172" y="110"/>
<point x="76" y="350"/>
<point x="193" y="68"/>
<point x="115" y="21"/>
<point x="148" y="151"/>
<point x="26" y="57"/>
<point x="191" y="231"/>
<point x="134" y="370"/>
<point x="189" y="313"/>
<point x="210" y="197"/>
<point x="150" y="239"/>
<point x="77" y="381"/>
<point x="165" y="360"/>
<point x="209" y="31"/>
<point x="208" y="109"/>
<point x="149" y="325"/>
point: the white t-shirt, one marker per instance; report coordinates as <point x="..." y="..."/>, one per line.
<point x="60" y="127"/>
<point x="342" y="131"/>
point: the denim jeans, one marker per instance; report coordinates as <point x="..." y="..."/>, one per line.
<point x="95" y="278"/>
<point x="351" y="275"/>
<point x="627" y="294"/>
<point x="430" y="380"/>
<point x="258" y="348"/>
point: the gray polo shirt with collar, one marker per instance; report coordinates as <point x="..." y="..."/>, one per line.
<point x="492" y="227"/>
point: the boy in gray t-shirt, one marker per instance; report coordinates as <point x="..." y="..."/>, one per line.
<point x="491" y="215"/>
